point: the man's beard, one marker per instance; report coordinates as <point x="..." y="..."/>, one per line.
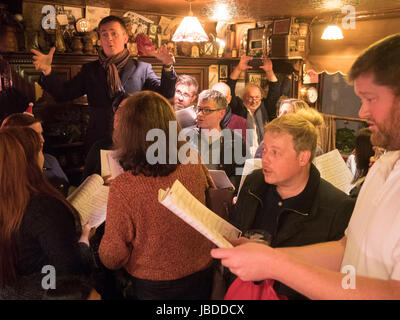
<point x="388" y="134"/>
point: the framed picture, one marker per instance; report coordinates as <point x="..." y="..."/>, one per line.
<point x="254" y="78"/>
<point x="241" y="34"/>
<point x="223" y="71"/>
<point x="281" y="26"/>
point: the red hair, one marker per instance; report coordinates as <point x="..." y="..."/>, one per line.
<point x="20" y="178"/>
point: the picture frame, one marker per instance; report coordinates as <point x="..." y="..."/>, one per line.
<point x="223" y="71"/>
<point x="241" y="33"/>
<point x="281" y="26"/>
<point x="254" y="78"/>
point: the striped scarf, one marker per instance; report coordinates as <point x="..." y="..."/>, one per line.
<point x="113" y="65"/>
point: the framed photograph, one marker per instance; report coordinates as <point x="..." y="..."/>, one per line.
<point x="281" y="26"/>
<point x="241" y="34"/>
<point x="223" y="71"/>
<point x="254" y="78"/>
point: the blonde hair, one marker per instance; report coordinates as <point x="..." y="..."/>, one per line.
<point x="296" y="104"/>
<point x="303" y="132"/>
<point x="312" y="115"/>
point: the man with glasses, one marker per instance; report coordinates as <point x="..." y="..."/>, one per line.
<point x="253" y="107"/>
<point x="186" y="90"/>
<point x="220" y="148"/>
<point x="230" y="120"/>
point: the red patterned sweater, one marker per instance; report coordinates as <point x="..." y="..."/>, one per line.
<point x="147" y="239"/>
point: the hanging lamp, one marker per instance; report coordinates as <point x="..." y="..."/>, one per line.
<point x="190" y="29"/>
<point x="332" y="32"/>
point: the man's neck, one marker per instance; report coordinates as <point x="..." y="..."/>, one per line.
<point x="252" y="110"/>
<point x="295" y="186"/>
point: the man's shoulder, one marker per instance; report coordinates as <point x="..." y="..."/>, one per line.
<point x="91" y="65"/>
<point x="330" y="195"/>
<point x="239" y="120"/>
<point x="255" y="179"/>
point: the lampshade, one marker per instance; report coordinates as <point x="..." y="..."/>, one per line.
<point x="190" y="29"/>
<point x="332" y="33"/>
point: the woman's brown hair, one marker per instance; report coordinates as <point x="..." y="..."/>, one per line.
<point x="140" y="113"/>
<point x="20" y="179"/>
<point x="19" y="119"/>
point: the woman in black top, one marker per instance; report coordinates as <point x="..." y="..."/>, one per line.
<point x="39" y="230"/>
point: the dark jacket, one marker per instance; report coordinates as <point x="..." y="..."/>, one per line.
<point x="233" y="121"/>
<point x="327" y="220"/>
<point x="228" y="143"/>
<point x="55" y="174"/>
<point x="267" y="106"/>
<point x="91" y="80"/>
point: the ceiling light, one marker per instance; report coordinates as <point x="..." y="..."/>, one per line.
<point x="190" y="29"/>
<point x="332" y="32"/>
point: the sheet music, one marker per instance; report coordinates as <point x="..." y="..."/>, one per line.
<point x="334" y="170"/>
<point x="90" y="200"/>
<point x="181" y="202"/>
<point x="111" y="164"/>
<point x="105" y="167"/>
<point x="186" y="117"/>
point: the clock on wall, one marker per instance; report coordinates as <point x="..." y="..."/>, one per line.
<point x="310" y="94"/>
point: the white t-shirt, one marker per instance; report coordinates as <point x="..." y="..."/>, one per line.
<point x="373" y="234"/>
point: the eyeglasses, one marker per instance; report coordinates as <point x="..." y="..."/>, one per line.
<point x="206" y="111"/>
<point x="184" y="95"/>
<point x="255" y="99"/>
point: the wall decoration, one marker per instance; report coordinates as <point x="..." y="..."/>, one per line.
<point x="94" y="16"/>
<point x="140" y="24"/>
<point x="241" y="36"/>
<point x="254" y="78"/>
<point x="223" y="71"/>
<point x="164" y="23"/>
<point x="212" y="75"/>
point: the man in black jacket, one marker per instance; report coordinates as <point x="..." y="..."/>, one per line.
<point x="287" y="197"/>
<point x="253" y="107"/>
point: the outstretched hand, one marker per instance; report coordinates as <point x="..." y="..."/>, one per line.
<point x="42" y="62"/>
<point x="164" y="55"/>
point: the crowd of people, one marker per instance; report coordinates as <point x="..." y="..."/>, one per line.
<point x="142" y="251"/>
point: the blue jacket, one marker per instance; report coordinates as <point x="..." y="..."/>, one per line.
<point x="92" y="81"/>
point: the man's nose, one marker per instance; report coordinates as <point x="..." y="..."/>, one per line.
<point x="364" y="111"/>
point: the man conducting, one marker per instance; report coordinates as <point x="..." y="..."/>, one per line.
<point x="107" y="80"/>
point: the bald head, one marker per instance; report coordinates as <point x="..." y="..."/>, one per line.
<point x="224" y="89"/>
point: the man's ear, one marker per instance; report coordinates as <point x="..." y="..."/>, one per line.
<point x="126" y="38"/>
<point x="304" y="157"/>
<point x="194" y="98"/>
<point x="222" y="113"/>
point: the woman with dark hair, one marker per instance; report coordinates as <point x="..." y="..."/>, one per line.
<point x="363" y="154"/>
<point x="38" y="227"/>
<point x="51" y="168"/>
<point x="165" y="257"/>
